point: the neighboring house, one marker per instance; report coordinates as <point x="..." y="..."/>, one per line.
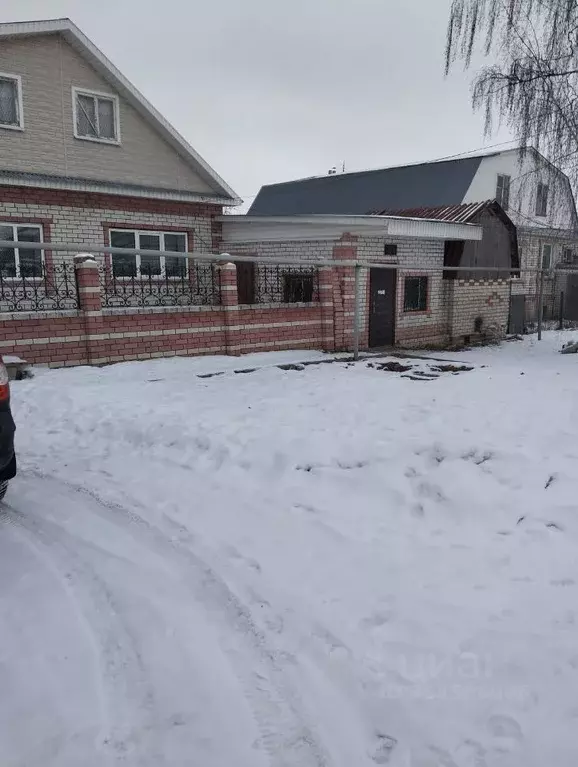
<point x="536" y="195"/>
<point x="84" y="158"/>
<point x="415" y="304"/>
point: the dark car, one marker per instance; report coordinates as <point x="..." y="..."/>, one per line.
<point x="7" y="429"/>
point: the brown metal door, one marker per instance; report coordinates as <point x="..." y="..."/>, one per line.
<point x="382" y="284"/>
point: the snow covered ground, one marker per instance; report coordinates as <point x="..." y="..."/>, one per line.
<point x="331" y="567"/>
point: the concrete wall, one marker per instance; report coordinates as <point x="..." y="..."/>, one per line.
<point x="50" y="68"/>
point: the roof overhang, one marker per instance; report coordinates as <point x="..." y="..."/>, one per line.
<point x="44" y="181"/>
<point x="78" y="40"/>
<point x="250" y="229"/>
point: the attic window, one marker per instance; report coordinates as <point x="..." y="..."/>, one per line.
<point x="11" y="102"/>
<point x="503" y="191"/>
<point x="96" y="116"/>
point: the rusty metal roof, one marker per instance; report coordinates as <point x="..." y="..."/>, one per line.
<point x="457" y="214"/>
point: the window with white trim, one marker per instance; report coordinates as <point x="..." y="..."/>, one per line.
<point x="148" y="266"/>
<point x="17" y="262"/>
<point x="96" y="116"/>
<point x="11" y="115"/>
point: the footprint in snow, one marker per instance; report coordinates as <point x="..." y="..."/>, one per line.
<point x="563" y="582"/>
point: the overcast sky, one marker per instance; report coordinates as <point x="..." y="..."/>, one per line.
<point x="270" y="91"/>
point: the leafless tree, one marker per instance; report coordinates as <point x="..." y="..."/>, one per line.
<point x="532" y="86"/>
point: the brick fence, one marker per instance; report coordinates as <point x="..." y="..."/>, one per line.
<point x="94" y="334"/>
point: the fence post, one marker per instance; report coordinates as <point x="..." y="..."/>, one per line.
<point x="89" y="304"/>
<point x="561" y="322"/>
<point x="229" y="306"/>
<point x="357" y="312"/>
<point x="541" y="303"/>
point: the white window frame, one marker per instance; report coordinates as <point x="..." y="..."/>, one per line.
<point x="502" y="188"/>
<point x="18" y="80"/>
<point x="96" y="94"/>
<point x="16" y="249"/>
<point x="153" y="233"/>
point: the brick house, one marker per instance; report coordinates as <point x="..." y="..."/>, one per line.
<point x="85" y="158"/>
<point x="536" y="195"/>
<point x="414" y="305"/>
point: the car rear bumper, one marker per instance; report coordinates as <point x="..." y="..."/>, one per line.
<point x="7" y="457"/>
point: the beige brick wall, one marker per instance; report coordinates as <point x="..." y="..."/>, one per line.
<point x="85" y="225"/>
<point x="485" y="299"/>
<point x="49" y="68"/>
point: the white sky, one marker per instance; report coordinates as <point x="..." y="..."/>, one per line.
<point x="270" y="91"/>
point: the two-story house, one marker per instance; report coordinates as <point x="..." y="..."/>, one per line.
<point x="85" y="158"/>
<point x="536" y="195"/>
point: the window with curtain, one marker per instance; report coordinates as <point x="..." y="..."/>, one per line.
<point x="10" y="102"/>
<point x="16" y="262"/>
<point x="148" y="265"/>
<point x="96" y="116"/>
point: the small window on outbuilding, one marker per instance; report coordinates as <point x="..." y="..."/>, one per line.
<point x="415" y="294"/>
<point x="297" y="288"/>
<point x="390" y="249"/>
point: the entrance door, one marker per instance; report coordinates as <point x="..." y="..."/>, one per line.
<point x="382" y="284"/>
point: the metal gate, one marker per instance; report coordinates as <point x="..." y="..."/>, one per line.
<point x="517" y="314"/>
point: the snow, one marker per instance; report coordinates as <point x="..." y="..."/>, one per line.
<point x="325" y="567"/>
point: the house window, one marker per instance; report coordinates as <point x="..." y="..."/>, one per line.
<point x="17" y="262"/>
<point x="542" y="200"/>
<point x="96" y="116"/>
<point x="390" y="249"/>
<point x="297" y="288"/>
<point x="546" y="256"/>
<point x="415" y="294"/>
<point x="568" y="256"/>
<point x="145" y="265"/>
<point x="11" y="102"/>
<point x="503" y="191"/>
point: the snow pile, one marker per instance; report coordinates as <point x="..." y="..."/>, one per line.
<point x="328" y="567"/>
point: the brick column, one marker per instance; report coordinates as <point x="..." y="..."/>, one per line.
<point x="230" y="306"/>
<point x="344" y="292"/>
<point x="326" y="290"/>
<point x="90" y="304"/>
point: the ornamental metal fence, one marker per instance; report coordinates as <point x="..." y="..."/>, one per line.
<point x="187" y="283"/>
<point x="30" y="282"/>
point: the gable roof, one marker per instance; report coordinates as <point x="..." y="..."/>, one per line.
<point x="429" y="184"/>
<point x="78" y="40"/>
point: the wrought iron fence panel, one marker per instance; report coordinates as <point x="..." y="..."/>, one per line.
<point x="195" y="285"/>
<point x="47" y="287"/>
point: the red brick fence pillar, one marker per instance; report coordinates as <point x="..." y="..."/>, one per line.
<point x="230" y="306"/>
<point x="344" y="292"/>
<point x="89" y="304"/>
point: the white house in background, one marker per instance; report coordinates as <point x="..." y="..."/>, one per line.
<point x="536" y="195"/>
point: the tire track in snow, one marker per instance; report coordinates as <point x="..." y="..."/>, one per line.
<point x="124" y="678"/>
<point x="286" y="737"/>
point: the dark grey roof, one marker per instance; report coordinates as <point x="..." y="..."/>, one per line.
<point x="430" y="184"/>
